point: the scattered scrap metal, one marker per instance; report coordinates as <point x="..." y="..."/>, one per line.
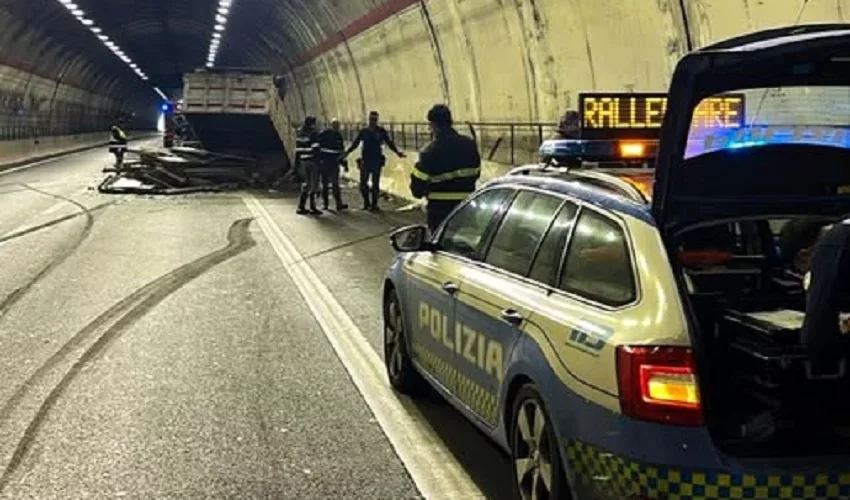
<point x="180" y="170"/>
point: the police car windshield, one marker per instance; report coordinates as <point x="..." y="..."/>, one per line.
<point x="804" y="116"/>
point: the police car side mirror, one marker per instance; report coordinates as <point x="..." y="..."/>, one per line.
<point x="410" y="239"/>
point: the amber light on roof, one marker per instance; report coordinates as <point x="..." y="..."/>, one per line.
<point x="632" y="149"/>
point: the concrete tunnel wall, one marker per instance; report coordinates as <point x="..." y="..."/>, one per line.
<point x="517" y="61"/>
<point x="59" y="93"/>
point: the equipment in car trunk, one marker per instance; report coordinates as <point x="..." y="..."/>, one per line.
<point x="767" y="360"/>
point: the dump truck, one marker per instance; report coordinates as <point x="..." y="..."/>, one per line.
<point x="234" y="142"/>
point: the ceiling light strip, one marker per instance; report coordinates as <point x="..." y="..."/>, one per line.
<point x="222" y="11"/>
<point x="80" y="16"/>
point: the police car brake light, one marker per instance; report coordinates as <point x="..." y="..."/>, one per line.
<point x="659" y="384"/>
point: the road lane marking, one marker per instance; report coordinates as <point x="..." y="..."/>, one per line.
<point x="435" y="471"/>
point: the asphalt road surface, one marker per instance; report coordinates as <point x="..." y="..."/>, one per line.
<point x="207" y="346"/>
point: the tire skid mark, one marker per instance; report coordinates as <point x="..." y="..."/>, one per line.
<point x="86" y="212"/>
<point x="126" y="312"/>
<point x="54" y="222"/>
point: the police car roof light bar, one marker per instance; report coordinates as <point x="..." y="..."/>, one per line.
<point x="617" y="151"/>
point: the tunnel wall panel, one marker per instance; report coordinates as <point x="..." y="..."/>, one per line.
<point x="33" y="106"/>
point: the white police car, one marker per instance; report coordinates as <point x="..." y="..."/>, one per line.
<point x="628" y="338"/>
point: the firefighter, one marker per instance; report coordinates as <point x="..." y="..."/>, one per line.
<point x="118" y="144"/>
<point x="372" y="159"/>
<point x="306" y="165"/>
<point x="330" y="153"/>
<point x="448" y="167"/>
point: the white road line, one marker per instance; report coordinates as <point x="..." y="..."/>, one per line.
<point x="432" y="466"/>
<point x="31" y="165"/>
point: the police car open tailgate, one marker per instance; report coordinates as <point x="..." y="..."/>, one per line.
<point x="772" y="179"/>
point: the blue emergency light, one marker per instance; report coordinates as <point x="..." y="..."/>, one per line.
<point x="166" y="107"/>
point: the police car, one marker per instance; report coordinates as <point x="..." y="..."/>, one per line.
<point x="635" y="332"/>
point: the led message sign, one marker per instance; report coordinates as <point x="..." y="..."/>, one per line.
<point x="640" y="115"/>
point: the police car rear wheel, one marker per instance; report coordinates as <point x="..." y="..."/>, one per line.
<point x="537" y="470"/>
<point x="403" y="376"/>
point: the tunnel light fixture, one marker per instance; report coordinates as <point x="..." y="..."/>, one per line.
<point x="221" y="13"/>
<point x="79" y="15"/>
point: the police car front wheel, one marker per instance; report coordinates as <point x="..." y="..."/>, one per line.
<point x="537" y="467"/>
<point x="403" y="376"/>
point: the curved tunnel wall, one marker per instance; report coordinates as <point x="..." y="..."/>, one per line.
<point x="59" y="90"/>
<point x="520" y="60"/>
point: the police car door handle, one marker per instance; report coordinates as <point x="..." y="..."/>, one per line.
<point x="450" y="288"/>
<point x="512" y="316"/>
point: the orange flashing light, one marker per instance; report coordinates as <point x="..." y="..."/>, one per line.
<point x="632" y="150"/>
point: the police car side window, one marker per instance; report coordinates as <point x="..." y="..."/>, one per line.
<point x="522" y="228"/>
<point x="598" y="264"/>
<point x="548" y="258"/>
<point x="467" y="231"/>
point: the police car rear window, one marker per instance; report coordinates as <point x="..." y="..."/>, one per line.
<point x="815" y="116"/>
<point x="598" y="264"/>
<point x="466" y="232"/>
<point x="549" y="255"/>
<point x="521" y="231"/>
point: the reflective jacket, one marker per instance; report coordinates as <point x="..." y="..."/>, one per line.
<point x="118" y="136"/>
<point x="448" y="168"/>
<point x="306" y="145"/>
<point x="331" y="146"/>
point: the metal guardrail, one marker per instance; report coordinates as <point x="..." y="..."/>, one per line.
<point x="509" y="143"/>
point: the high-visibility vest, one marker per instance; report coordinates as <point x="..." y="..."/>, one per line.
<point x="448" y="169"/>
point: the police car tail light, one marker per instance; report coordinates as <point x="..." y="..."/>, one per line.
<point x="659" y="384"/>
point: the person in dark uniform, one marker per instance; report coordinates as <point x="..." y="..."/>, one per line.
<point x="828" y="284"/>
<point x="569" y="127"/>
<point x="448" y="167"/>
<point x="118" y="144"/>
<point x="306" y="164"/>
<point x="330" y="153"/>
<point x="372" y="159"/>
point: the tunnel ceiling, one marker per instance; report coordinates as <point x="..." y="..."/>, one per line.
<point x="168" y="38"/>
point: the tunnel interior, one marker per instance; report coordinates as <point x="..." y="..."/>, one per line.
<point x="501" y="64"/>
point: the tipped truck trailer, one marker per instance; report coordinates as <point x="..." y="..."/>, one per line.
<point x="228" y="111"/>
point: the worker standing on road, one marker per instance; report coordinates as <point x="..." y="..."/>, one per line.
<point x="331" y="148"/>
<point x="373" y="138"/>
<point x="118" y="144"/>
<point x="307" y="166"/>
<point x="448" y="167"/>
